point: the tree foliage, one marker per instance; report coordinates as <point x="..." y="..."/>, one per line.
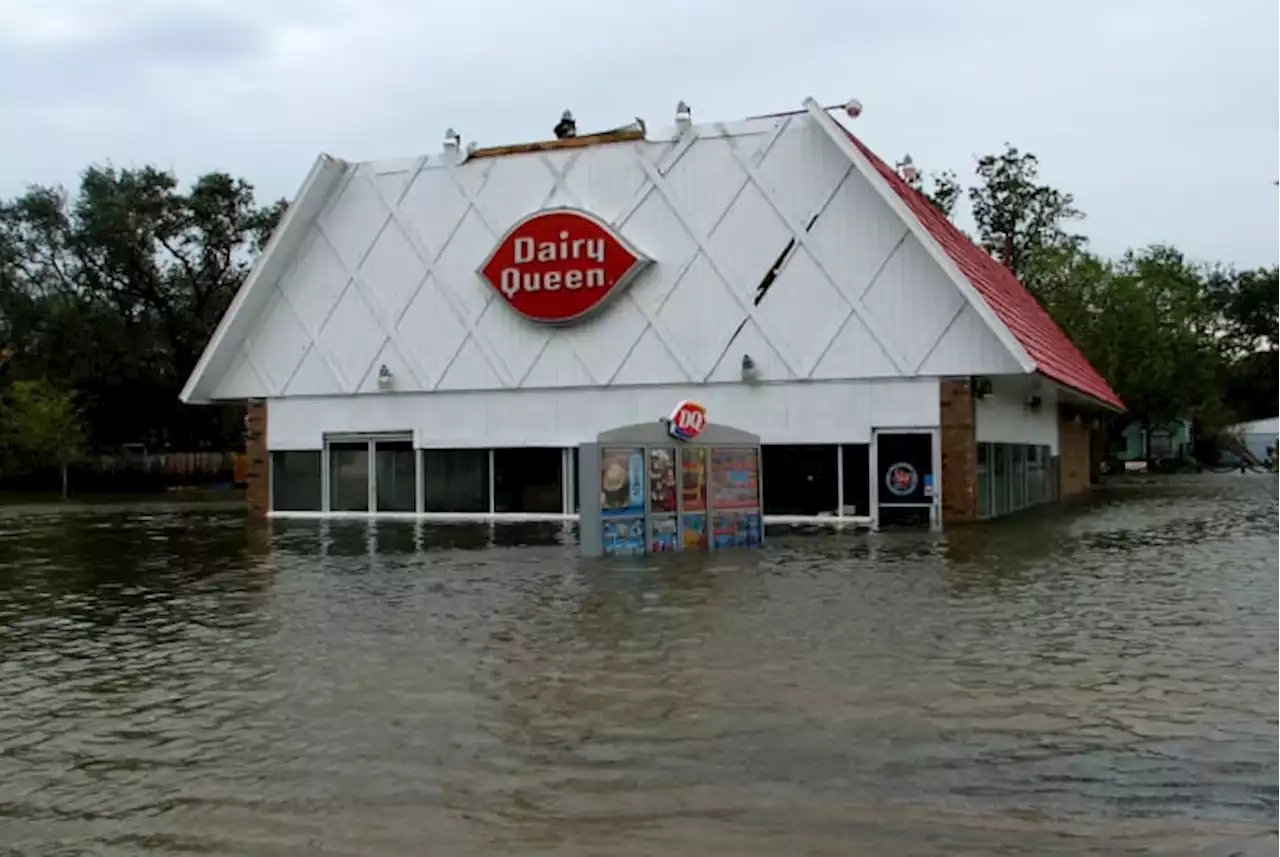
<point x="1018" y="217"/>
<point x="41" y="426"/>
<point x="942" y="189"/>
<point x="113" y="290"/>
<point x="1175" y="338"/>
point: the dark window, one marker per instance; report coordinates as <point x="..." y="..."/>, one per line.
<point x="576" y="505"/>
<point x="800" y="479"/>
<point x="984" y="480"/>
<point x="396" y="485"/>
<point x="455" y="480"/>
<point x="857" y="478"/>
<point x="349" y="477"/>
<point x="295" y="481"/>
<point x="528" y="480"/>
<point x="1017" y="477"/>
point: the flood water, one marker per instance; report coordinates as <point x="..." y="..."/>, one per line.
<point x="1092" y="681"/>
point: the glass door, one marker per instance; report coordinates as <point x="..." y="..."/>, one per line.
<point x="904" y="476"/>
<point x="395" y="476"/>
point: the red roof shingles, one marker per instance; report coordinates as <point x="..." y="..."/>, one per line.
<point x="1054" y="354"/>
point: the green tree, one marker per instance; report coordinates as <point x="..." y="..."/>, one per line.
<point x="1148" y="322"/>
<point x="1018" y="217"/>
<point x="1162" y="334"/>
<point x="1248" y="303"/>
<point x="43" y="425"/>
<point x="115" y="289"/>
<point x="942" y="189"/>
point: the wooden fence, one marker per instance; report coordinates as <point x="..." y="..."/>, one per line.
<point x="136" y="472"/>
<point x="199" y="466"/>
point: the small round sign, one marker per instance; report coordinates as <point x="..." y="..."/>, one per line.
<point x="687" y="421"/>
<point x="901" y="479"/>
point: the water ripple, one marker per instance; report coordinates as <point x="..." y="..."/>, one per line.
<point x="1096" y="681"/>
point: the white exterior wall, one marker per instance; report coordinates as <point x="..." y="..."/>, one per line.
<point x="386" y="275"/>
<point x="837" y="412"/>
<point x="1003" y="417"/>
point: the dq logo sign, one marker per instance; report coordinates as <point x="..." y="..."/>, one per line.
<point x="901" y="479"/>
<point x="558" y="265"/>
<point x="687" y="421"/>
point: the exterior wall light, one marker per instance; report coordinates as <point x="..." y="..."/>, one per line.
<point x="384" y="377"/>
<point x="750" y="372"/>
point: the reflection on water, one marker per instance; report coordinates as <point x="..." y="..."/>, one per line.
<point x="1098" y="681"/>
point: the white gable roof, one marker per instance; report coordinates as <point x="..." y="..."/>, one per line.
<point x="374" y="264"/>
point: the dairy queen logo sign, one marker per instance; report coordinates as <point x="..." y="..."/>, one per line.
<point x="558" y="265"/>
<point x="687" y="421"/>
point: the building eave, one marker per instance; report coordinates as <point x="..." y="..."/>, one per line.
<point x="325" y="175"/>
<point x="867" y="170"/>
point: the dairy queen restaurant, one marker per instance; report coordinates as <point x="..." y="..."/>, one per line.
<point x="446" y="335"/>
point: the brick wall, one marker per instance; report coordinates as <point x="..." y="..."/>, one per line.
<point x="1074" y="457"/>
<point x="959" y="451"/>
<point x="257" y="462"/>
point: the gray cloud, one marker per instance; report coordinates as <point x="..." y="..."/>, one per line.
<point x="112" y="63"/>
<point x="1160" y="117"/>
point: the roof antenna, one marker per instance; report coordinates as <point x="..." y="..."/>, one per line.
<point x="566" y="127"/>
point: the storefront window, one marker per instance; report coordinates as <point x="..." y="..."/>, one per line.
<point x="528" y="480"/>
<point x="999" y="480"/>
<point x="1035" y="478"/>
<point x="802" y="479"/>
<point x="1012" y="477"/>
<point x="984" y="480"/>
<point x="456" y="480"/>
<point x="295" y="481"/>
<point x="575" y="502"/>
<point x="396" y="476"/>
<point x="1018" y="478"/>
<point x="857" y="478"/>
<point x="349" y="476"/>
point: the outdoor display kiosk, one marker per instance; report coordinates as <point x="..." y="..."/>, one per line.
<point x="670" y="485"/>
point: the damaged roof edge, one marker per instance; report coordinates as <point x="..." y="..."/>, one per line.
<point x="840" y="136"/>
<point x="312" y="195"/>
<point x="1008" y="308"/>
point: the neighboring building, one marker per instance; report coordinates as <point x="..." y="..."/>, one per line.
<point x="1137" y="443"/>
<point x="398" y="360"/>
<point x="1259" y="437"/>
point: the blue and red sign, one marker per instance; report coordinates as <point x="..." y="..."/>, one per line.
<point x="901" y="479"/>
<point x="687" y="421"/>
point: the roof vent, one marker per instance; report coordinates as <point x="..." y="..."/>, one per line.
<point x="684" y="117"/>
<point x="907" y="169"/>
<point x="452" y="142"/>
<point x="566" y="127"/>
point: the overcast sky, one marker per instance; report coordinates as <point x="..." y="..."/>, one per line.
<point x="1161" y="116"/>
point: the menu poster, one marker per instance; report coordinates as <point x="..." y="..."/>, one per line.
<point x="622" y="536"/>
<point x="693" y="532"/>
<point x="735" y="478"/>
<point x="662" y="534"/>
<point x="622" y="482"/>
<point x="693" y="477"/>
<point x="662" y="480"/>
<point x="735" y="530"/>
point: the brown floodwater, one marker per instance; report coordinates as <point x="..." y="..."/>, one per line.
<point x="1099" y="680"/>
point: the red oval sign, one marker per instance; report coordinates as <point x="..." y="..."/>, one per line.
<point x="558" y="265"/>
